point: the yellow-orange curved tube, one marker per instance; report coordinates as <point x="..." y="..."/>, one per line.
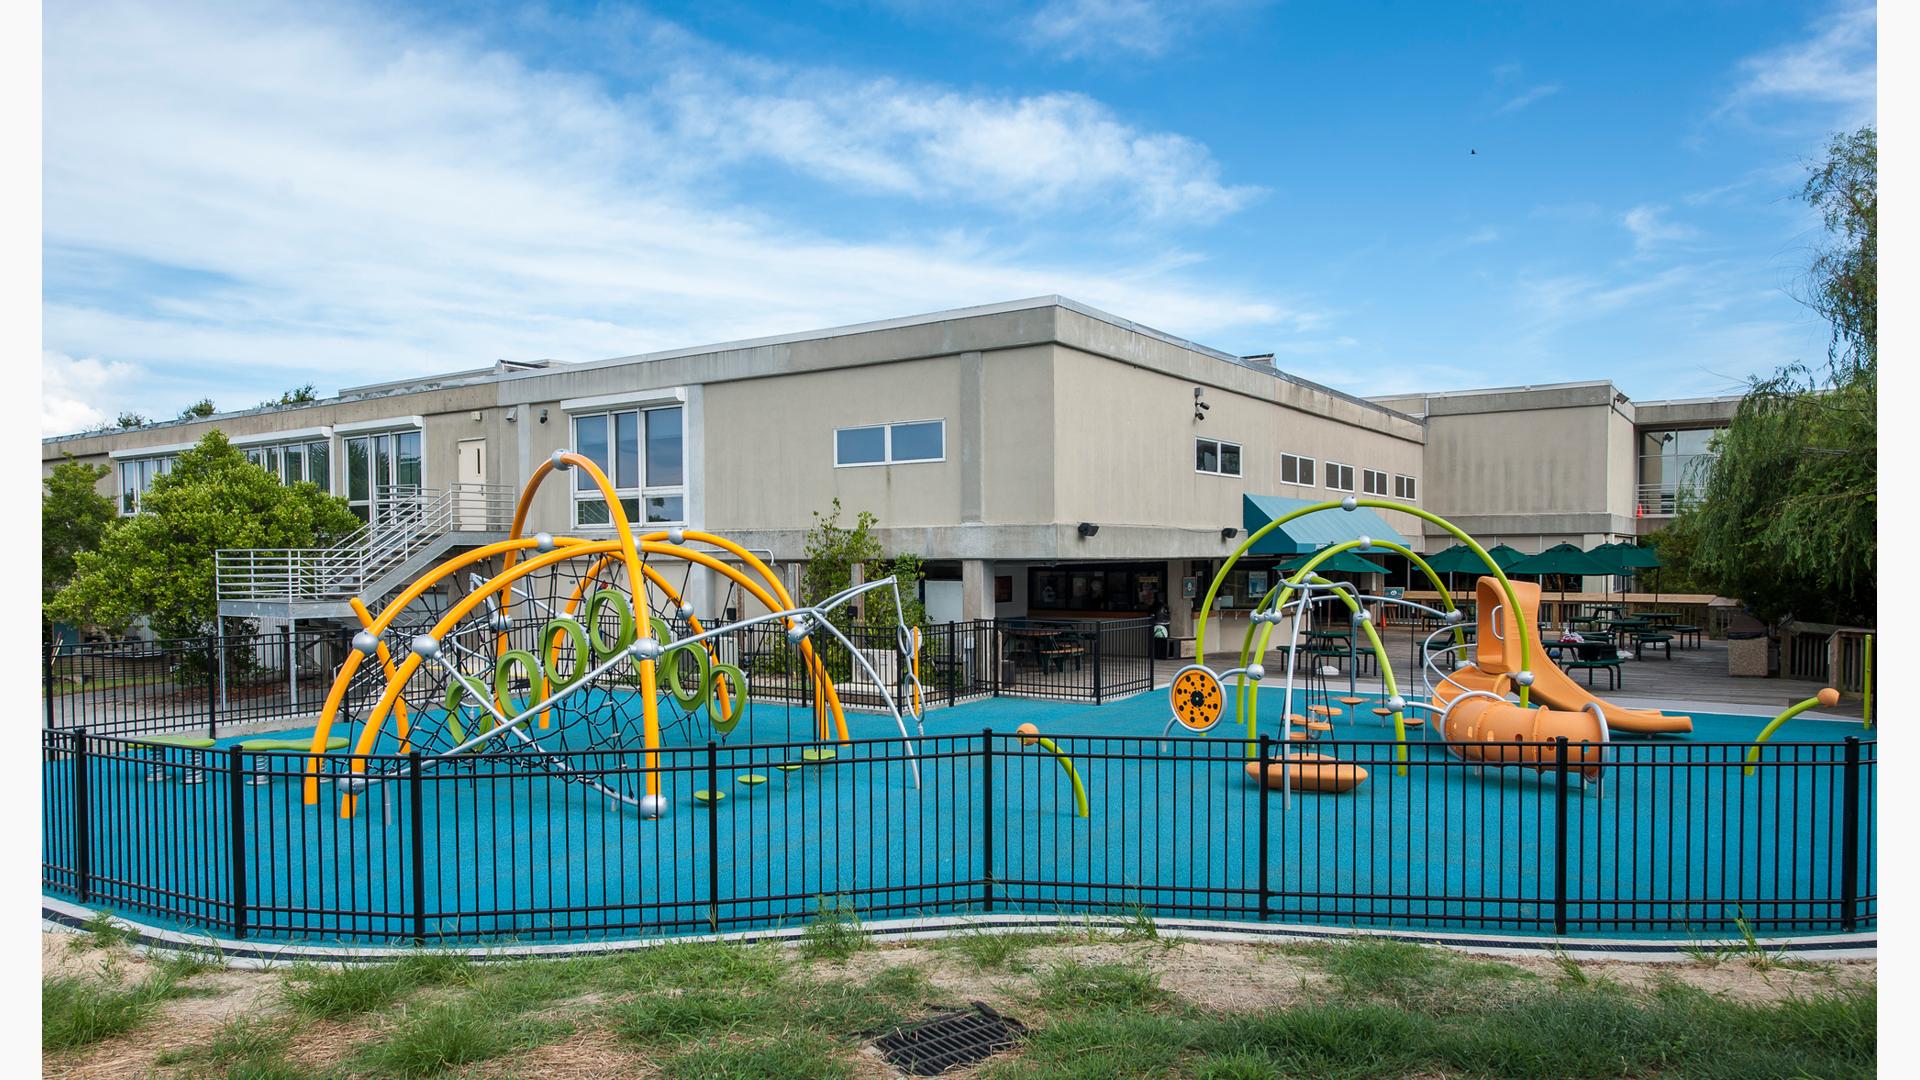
<point x="1498" y="731"/>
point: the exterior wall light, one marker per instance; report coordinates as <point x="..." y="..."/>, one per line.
<point x="1088" y="528"/>
<point x="1229" y="533"/>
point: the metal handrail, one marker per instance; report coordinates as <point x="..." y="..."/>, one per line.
<point x="405" y="521"/>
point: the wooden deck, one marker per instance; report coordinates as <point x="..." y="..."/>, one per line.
<point x="1693" y="679"/>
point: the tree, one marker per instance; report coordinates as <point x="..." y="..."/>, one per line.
<point x="833" y="550"/>
<point x="1844" y="275"/>
<point x="199" y="410"/>
<point x="1786" y="519"/>
<point x="159" y="563"/>
<point x="74" y="516"/>
<point x="127" y="420"/>
<point x="299" y="395"/>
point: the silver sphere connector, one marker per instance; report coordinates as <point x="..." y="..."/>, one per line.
<point x="799" y="630"/>
<point x="426" y="646"/>
<point x="500" y="623"/>
<point x="1396" y="703"/>
<point x="686" y="610"/>
<point x="1256" y="672"/>
<point x="646" y="648"/>
<point x="1524" y="678"/>
<point x="543" y="541"/>
<point x="1455" y="615"/>
<point x="1366" y="542"/>
<point x="1362" y="615"/>
<point x="653" y="806"/>
<point x="560" y="461"/>
<point x="366" y="643"/>
<point x="676" y="536"/>
<point x="1349" y="503"/>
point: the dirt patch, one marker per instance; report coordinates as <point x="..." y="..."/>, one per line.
<point x="587" y="1054"/>
<point x="1734" y="979"/>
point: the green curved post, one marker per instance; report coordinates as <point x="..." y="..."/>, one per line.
<point x="1250" y="706"/>
<point x="1513" y="602"/>
<point x="1073" y="774"/>
<point x="1753" y="752"/>
<point x="1373" y="638"/>
<point x="1866" y="683"/>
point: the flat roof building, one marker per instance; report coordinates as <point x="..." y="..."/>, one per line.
<point x="1044" y="457"/>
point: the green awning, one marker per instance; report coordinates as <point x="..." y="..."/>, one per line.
<point x="1344" y="563"/>
<point x="1310" y="532"/>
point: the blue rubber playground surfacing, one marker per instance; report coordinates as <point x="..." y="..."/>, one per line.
<point x="1675" y="842"/>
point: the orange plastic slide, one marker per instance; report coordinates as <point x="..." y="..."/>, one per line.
<point x="1500" y="654"/>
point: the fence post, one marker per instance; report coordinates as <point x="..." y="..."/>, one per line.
<point x="986" y="819"/>
<point x="955" y="666"/>
<point x="416" y="826"/>
<point x="213" y="702"/>
<point x="1850" y="838"/>
<point x="237" y="835"/>
<point x="713" y="835"/>
<point x="82" y="819"/>
<point x="993" y="652"/>
<point x="1560" y="836"/>
<point x="1260" y="792"/>
<point x="1099" y="639"/>
<point x="46" y="679"/>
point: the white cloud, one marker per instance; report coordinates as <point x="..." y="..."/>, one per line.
<point x="359" y="200"/>
<point x="1036" y="153"/>
<point x="1651" y="229"/>
<point x="78" y="394"/>
<point x="1836" y="66"/>
<point x="1089" y="27"/>
<point x="1094" y="28"/>
<point x="1527" y="97"/>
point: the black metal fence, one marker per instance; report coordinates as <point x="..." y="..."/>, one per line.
<point x="1091" y="660"/>
<point x="1670" y="839"/>
<point x="200" y="684"/>
<point x="188" y="684"/>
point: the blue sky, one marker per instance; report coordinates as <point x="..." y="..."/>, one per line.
<point x="239" y="198"/>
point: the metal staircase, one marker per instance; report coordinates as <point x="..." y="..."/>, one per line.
<point x="412" y="528"/>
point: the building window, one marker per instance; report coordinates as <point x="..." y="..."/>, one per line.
<point x="296" y="462"/>
<point x="1296" y="470"/>
<point x="1373" y="482"/>
<point x="1674" y="466"/>
<point x="136" y="479"/>
<point x="381" y="470"/>
<point x="890" y="444"/>
<point x="1216" y="457"/>
<point x="1406" y="488"/>
<point x="1339" y="477"/>
<point x="643" y="453"/>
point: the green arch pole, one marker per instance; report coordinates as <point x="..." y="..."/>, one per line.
<point x="1506" y="586"/>
<point x="1249" y="702"/>
<point x="1825" y="697"/>
<point x="1373" y="639"/>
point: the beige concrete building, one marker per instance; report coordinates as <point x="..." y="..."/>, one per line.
<point x="1047" y="459"/>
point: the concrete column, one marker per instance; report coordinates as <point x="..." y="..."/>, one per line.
<point x="976" y="589"/>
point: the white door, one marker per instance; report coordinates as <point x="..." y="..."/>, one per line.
<point x="472" y="506"/>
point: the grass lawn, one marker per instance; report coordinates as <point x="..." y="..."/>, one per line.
<point x="1098" y="1004"/>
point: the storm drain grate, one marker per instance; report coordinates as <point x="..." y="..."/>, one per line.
<point x="941" y="1042"/>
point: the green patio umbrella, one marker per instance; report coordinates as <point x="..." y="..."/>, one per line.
<point x="1458" y="559"/>
<point x="1563" y="559"/>
<point x="1627" y="558"/>
<point x="1506" y="556"/>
